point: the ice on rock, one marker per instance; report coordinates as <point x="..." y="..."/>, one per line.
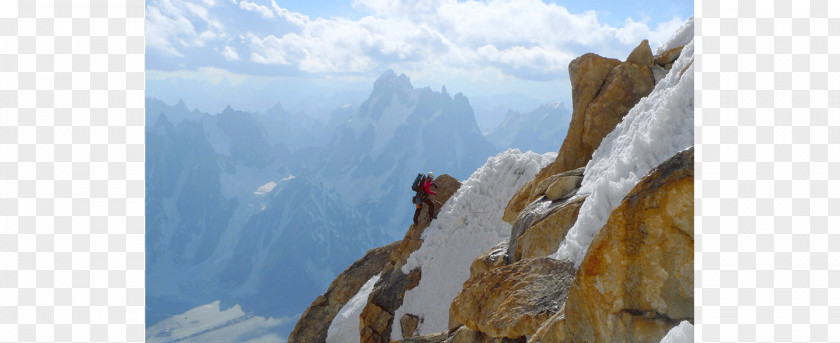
<point x="659" y="126"/>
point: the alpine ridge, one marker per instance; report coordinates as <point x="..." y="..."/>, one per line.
<point x="591" y="244"/>
<point x="241" y="211"/>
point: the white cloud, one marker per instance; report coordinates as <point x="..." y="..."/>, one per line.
<point x="254" y="7"/>
<point x="171" y="25"/>
<point x="211" y="75"/>
<point x="292" y="17"/>
<point x="230" y="53"/>
<point x="523" y="38"/>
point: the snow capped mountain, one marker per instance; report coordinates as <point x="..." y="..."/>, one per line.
<point x="397" y="132"/>
<point x="539" y="130"/>
<point x="200" y="181"/>
<point x="175" y="113"/>
<point x="235" y="216"/>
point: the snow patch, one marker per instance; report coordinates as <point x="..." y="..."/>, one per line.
<point x="681" y="37"/>
<point x="207" y="323"/>
<point x="468" y="225"/>
<point x="659" y="126"/>
<point x="265" y="189"/>
<point x="345" y="326"/>
<point x="683" y="333"/>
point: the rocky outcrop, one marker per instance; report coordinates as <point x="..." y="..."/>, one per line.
<point x="461" y="334"/>
<point x="433" y="338"/>
<point x="447" y="186"/>
<point x="493" y="258"/>
<point x="408" y="324"/>
<point x="641" y="55"/>
<point x="467" y="335"/>
<point x="512" y="301"/>
<point x="377" y="317"/>
<point x="667" y="58"/>
<point x="314" y="322"/>
<point x="637" y="279"/>
<point x="562" y="186"/>
<point x="387" y="296"/>
<point x="544" y="237"/>
<point x="633" y="285"/>
<point x="603" y="92"/>
<point x="553" y="217"/>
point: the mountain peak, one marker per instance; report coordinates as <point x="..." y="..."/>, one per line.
<point x="390" y="79"/>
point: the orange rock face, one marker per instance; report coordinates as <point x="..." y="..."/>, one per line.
<point x="637" y="279"/>
<point x="314" y="322"/>
<point x="544" y="237"/>
<point x="512" y="301"/>
<point x="603" y="92"/>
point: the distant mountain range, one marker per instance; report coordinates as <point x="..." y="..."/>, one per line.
<point x="540" y="130"/>
<point x="263" y="210"/>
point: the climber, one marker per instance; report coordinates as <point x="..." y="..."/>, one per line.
<point x="423" y="197"/>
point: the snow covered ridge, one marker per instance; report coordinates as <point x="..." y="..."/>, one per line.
<point x="681" y="37"/>
<point x="468" y="224"/>
<point x="345" y="326"/>
<point x="658" y="127"/>
<point x="652" y="132"/>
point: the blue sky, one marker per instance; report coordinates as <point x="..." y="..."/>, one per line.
<point x="255" y="53"/>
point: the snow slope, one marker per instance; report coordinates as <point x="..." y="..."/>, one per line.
<point x="658" y="127"/>
<point x="345" y="326"/>
<point x="683" y="333"/>
<point x="467" y="225"/>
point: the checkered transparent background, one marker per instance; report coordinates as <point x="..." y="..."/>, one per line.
<point x="767" y="192"/>
<point x="767" y="160"/>
<point x="71" y="171"/>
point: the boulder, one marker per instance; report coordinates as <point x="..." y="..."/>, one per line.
<point x="553" y="330"/>
<point x="408" y="324"/>
<point x="543" y="207"/>
<point x="625" y="85"/>
<point x="603" y="92"/>
<point x="637" y="279"/>
<point x="641" y="55"/>
<point x="493" y="258"/>
<point x="544" y="237"/>
<point x="439" y="337"/>
<point x="562" y="187"/>
<point x="512" y="301"/>
<point x="315" y="320"/>
<point x="467" y="335"/>
<point x="667" y="58"/>
<point x="374" y="321"/>
<point x="377" y="317"/>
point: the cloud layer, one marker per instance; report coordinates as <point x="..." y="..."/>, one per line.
<point x="523" y="39"/>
